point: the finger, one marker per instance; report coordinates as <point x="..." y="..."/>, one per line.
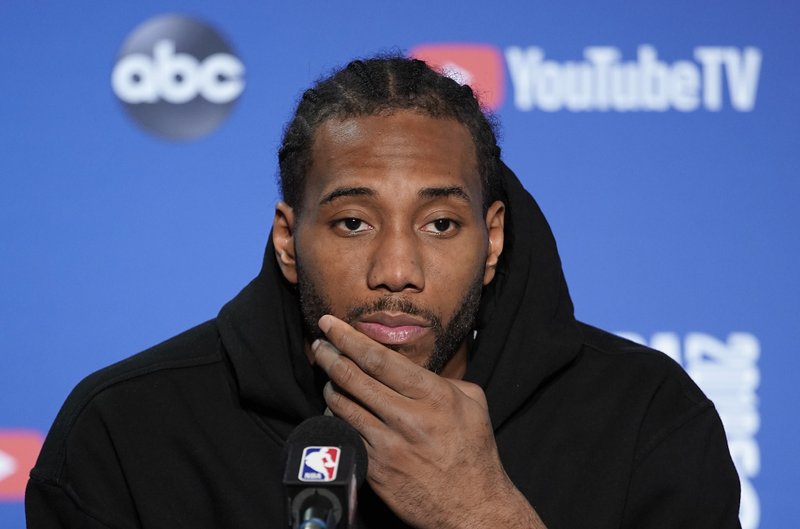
<point x="342" y="406"/>
<point x="388" y="366"/>
<point x="351" y="380"/>
<point x="377" y="436"/>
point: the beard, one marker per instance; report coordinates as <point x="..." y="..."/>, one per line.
<point x="448" y="336"/>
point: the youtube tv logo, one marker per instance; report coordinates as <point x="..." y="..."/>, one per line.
<point x="481" y="66"/>
<point x="18" y="452"/>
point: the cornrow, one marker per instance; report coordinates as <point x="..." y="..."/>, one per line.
<point x="380" y="86"/>
<point x="360" y="70"/>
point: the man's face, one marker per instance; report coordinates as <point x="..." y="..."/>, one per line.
<point x="392" y="237"/>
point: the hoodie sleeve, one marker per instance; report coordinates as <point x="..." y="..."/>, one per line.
<point x="78" y="481"/>
<point x="684" y="477"/>
<point x="48" y="506"/>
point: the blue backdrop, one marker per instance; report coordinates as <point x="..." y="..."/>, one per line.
<point x="660" y="138"/>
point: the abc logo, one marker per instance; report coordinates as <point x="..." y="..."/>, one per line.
<point x="177" y="77"/>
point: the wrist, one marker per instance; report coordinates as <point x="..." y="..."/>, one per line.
<point x="505" y="507"/>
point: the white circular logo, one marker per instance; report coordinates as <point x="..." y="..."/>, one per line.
<point x="177" y="77"/>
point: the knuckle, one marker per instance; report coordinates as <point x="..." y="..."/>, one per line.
<point x="374" y="361"/>
<point x="335" y="400"/>
<point x="414" y="378"/>
<point x="341" y="337"/>
<point x="471" y="387"/>
<point x="439" y="400"/>
<point x="356" y="419"/>
<point x="473" y="391"/>
<point x="379" y="472"/>
<point x="341" y="371"/>
<point x="392" y="449"/>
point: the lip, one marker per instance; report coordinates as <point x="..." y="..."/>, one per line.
<point x="392" y="328"/>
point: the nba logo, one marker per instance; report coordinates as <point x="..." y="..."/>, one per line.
<point x="319" y="463"/>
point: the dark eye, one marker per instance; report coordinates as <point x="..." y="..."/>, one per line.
<point x="441" y="227"/>
<point x="442" y="224"/>
<point x="352" y="224"/>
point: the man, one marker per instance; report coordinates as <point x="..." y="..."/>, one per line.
<point x="412" y="286"/>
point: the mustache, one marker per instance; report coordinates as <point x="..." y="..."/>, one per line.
<point x="393" y="304"/>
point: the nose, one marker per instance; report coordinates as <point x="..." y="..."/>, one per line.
<point x="395" y="263"/>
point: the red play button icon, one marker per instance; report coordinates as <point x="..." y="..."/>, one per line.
<point x="478" y="65"/>
<point x="18" y="452"/>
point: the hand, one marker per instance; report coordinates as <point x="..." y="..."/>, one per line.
<point x="432" y="454"/>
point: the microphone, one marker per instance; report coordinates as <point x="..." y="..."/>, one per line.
<point x="326" y="462"/>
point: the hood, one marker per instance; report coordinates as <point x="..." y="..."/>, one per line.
<point x="526" y="328"/>
<point x="526" y="325"/>
<point x="262" y="333"/>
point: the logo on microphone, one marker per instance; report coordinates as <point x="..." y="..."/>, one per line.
<point x="319" y="463"/>
<point x="177" y="77"/>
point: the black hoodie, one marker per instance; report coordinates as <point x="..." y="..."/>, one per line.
<point x="596" y="432"/>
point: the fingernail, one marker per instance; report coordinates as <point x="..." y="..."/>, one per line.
<point x="328" y="391"/>
<point x="325" y="323"/>
<point x="316" y="344"/>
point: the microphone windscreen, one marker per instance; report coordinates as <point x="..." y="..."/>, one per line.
<point x="325" y="430"/>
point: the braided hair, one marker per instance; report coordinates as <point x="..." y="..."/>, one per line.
<point x="380" y="86"/>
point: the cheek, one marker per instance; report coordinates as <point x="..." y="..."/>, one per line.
<point x="337" y="273"/>
<point x="452" y="273"/>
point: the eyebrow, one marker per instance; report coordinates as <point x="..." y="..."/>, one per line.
<point x="439" y="192"/>
<point x="346" y="192"/>
<point x="425" y="193"/>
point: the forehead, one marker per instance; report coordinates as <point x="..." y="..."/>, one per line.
<point x="403" y="149"/>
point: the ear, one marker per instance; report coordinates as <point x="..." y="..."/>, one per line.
<point x="495" y="226"/>
<point x="283" y="230"/>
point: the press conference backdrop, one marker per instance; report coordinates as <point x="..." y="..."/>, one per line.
<point x="660" y="138"/>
